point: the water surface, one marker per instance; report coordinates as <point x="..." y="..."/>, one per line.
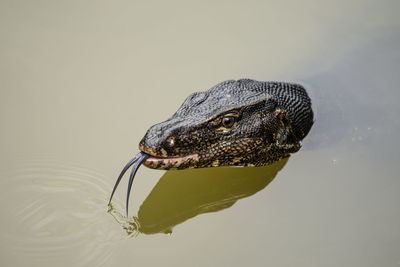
<point x="81" y="82"/>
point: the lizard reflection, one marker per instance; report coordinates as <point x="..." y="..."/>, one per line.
<point x="184" y="194"/>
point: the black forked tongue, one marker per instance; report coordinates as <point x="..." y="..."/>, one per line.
<point x="139" y="158"/>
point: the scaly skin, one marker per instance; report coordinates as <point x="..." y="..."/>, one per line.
<point x="235" y="123"/>
<point x="240" y="123"/>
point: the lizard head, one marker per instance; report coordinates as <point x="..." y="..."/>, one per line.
<point x="241" y="123"/>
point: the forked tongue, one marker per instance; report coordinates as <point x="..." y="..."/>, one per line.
<point x="139" y="158"/>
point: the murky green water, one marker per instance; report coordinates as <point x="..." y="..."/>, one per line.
<point x="81" y="82"/>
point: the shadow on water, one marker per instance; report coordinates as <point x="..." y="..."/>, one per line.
<point x="181" y="195"/>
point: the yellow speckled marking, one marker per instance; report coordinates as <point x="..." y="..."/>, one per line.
<point x="163" y="152"/>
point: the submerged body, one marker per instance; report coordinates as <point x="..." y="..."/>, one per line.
<point x="235" y="123"/>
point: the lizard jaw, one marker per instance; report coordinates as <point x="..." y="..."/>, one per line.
<point x="162" y="163"/>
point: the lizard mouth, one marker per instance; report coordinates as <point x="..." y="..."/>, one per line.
<point x="155" y="161"/>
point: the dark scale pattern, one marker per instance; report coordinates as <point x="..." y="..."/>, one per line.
<point x="270" y="120"/>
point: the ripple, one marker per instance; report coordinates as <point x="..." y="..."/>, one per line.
<point x="55" y="211"/>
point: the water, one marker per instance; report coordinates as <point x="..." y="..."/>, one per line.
<point x="81" y="82"/>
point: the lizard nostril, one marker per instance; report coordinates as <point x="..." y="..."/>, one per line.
<point x="171" y="141"/>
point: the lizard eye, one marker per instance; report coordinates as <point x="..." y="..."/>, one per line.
<point x="228" y="121"/>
